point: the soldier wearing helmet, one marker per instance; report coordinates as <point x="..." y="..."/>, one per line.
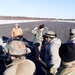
<point x="72" y="36"/>
<point x="52" y="58"/>
<point x="20" y="65"/>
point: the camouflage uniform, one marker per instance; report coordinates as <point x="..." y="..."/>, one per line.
<point x="68" y="68"/>
<point x="38" y="39"/>
<point x="21" y="67"/>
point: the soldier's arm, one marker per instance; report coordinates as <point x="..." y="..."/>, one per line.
<point x="21" y="31"/>
<point x="12" y="32"/>
<point x="32" y="31"/>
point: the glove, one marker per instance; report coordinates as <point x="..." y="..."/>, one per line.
<point x="53" y="71"/>
<point x="29" y="31"/>
<point x="35" y="28"/>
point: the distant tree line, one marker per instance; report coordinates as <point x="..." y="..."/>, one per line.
<point x="21" y="18"/>
<point x="29" y="18"/>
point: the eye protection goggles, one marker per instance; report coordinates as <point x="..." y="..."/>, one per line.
<point x="50" y="35"/>
<point x="47" y="37"/>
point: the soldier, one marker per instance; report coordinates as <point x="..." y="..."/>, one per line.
<point x="67" y="54"/>
<point x="72" y="36"/>
<point x="17" y="32"/>
<point x="52" y="58"/>
<point x="38" y="38"/>
<point x="20" y="65"/>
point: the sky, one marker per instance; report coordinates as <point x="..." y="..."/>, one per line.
<point x="64" y="9"/>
